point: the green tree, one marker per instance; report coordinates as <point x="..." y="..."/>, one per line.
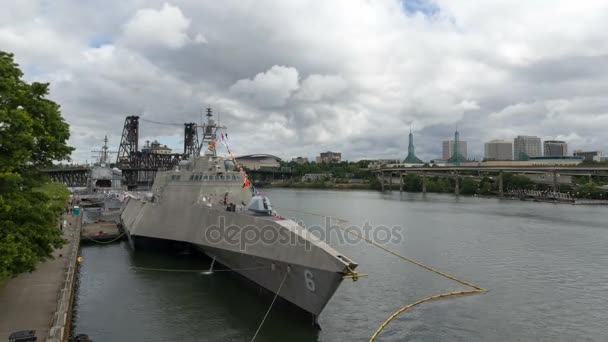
<point x="511" y="181"/>
<point x="468" y="186"/>
<point x="412" y="182"/>
<point x="32" y="135"/>
<point x="486" y="188"/>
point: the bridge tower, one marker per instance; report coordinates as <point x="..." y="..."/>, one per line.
<point x="128" y="141"/>
<point x="191" y="143"/>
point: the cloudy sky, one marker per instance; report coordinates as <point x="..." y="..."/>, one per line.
<point x="294" y="78"/>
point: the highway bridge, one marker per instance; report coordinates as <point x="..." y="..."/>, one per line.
<point x="386" y="174"/>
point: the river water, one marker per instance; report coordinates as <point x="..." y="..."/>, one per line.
<point x="545" y="266"/>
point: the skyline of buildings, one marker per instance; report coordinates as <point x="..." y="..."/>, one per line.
<point x="523" y="147"/>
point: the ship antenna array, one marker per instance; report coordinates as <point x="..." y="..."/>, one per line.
<point x="210" y="129"/>
<point x="104" y="153"/>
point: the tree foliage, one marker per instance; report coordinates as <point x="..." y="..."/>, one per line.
<point x="32" y="135"/>
<point x="341" y="170"/>
<point x="468" y="186"/>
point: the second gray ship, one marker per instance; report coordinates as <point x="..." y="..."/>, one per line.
<point x="205" y="203"/>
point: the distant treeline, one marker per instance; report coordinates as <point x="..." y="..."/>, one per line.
<point x="342" y="172"/>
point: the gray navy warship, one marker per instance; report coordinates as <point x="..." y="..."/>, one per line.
<point x="104" y="187"/>
<point x="203" y="202"/>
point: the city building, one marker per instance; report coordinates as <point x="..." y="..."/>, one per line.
<point x="300" y="160"/>
<point x="329" y="157"/>
<point x="526" y="146"/>
<point x="459" y="148"/>
<point x="590" y="155"/>
<point x="259" y="161"/>
<point x="448" y="149"/>
<point x="155" y="147"/>
<point x="555" y="148"/>
<point x="411" y="152"/>
<point x="498" y="150"/>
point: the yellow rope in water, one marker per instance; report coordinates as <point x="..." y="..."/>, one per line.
<point x="409" y="306"/>
<point x="476" y="289"/>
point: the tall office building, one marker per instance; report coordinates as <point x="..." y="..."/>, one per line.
<point x="525" y="146"/>
<point x="498" y="150"/>
<point x="555" y="148"/>
<point x="448" y="149"/>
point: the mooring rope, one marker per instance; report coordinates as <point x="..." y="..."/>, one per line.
<point x="276" y="295"/>
<point x="476" y="289"/>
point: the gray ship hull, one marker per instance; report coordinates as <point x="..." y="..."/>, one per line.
<point x="262" y="272"/>
<point x="309" y="269"/>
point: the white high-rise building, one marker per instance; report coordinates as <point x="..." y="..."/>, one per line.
<point x="526" y="146"/>
<point x="498" y="150"/>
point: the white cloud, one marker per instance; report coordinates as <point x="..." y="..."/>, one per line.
<point x="199" y="38"/>
<point x="321" y="87"/>
<point x="268" y="89"/>
<point x="295" y="77"/>
<point x="166" y="27"/>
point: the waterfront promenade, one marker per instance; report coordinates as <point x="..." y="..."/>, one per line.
<point x="30" y="301"/>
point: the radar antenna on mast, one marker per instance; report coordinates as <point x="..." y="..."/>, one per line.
<point x="104" y="153"/>
<point x="209" y="135"/>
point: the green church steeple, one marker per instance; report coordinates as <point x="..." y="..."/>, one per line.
<point x="411" y="154"/>
<point x="457" y="157"/>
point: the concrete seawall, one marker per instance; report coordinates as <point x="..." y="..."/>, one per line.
<point x="41" y="300"/>
<point x="62" y="318"/>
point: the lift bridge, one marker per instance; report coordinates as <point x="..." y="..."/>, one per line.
<point x="138" y="167"/>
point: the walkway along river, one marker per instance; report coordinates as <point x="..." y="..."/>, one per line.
<point x="545" y="266"/>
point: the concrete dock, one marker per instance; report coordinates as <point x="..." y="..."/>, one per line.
<point x="41" y="300"/>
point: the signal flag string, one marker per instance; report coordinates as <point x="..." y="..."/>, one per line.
<point x="246" y="181"/>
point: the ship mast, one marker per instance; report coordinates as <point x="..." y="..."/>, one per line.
<point x="104" y="152"/>
<point x="209" y="129"/>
